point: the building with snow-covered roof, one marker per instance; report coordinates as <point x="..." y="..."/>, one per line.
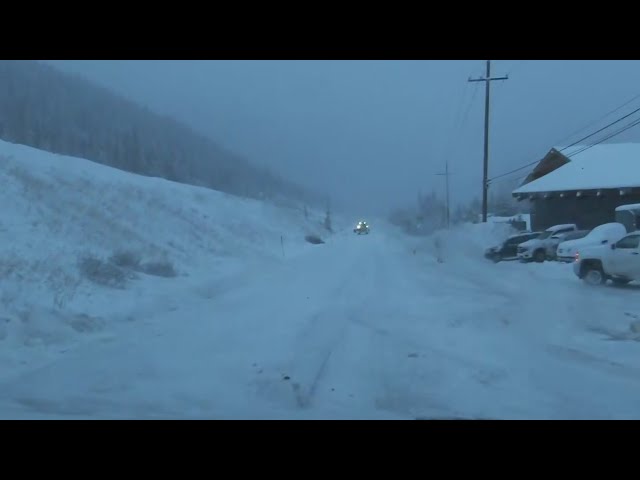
<point x="582" y="187"/>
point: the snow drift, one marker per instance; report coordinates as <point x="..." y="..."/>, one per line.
<point x="82" y="243"/>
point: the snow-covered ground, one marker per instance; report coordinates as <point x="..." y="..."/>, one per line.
<point x="62" y="219"/>
<point x="377" y="326"/>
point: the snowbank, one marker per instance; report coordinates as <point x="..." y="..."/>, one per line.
<point x="80" y="238"/>
<point x="462" y="242"/>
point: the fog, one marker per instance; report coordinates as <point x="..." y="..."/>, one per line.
<point x="371" y="134"/>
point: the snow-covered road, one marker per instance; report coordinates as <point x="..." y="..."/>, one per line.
<point x="361" y="327"/>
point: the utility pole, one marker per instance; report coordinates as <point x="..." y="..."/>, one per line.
<point x="485" y="180"/>
<point x="446" y="177"/>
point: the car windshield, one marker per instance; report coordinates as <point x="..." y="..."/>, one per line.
<point x="545" y="234"/>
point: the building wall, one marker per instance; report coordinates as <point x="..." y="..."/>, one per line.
<point x="587" y="212"/>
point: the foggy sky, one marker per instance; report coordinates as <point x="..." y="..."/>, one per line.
<point x="371" y="134"/>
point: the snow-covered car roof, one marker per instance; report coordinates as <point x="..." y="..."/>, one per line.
<point x="633" y="206"/>
<point x="521" y="234"/>
<point x="605" y="227"/>
<point x="560" y="227"/>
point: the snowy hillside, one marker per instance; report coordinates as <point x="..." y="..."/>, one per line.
<point x="82" y="244"/>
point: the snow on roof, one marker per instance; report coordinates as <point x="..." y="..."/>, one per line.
<point x="601" y="166"/>
<point x="633" y="206"/>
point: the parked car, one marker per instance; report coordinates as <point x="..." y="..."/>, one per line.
<point x="555" y="240"/>
<point x="536" y="249"/>
<point x="618" y="262"/>
<point x="603" y="234"/>
<point x="508" y="250"/>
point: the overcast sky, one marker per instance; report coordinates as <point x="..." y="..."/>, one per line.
<point x="371" y="134"/>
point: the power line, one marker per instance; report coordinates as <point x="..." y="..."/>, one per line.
<point x="595" y="122"/>
<point x="469" y="105"/>
<point x="513" y="171"/>
<point x="456" y="121"/>
<point x="584" y="138"/>
<point x="460" y="119"/>
<point x="501" y="94"/>
<point x="600" y="130"/>
<point x="575" y="152"/>
<point x="465" y="116"/>
<point x="587" y="147"/>
<point x="515" y="179"/>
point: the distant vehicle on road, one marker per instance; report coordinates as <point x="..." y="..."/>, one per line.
<point x="361" y="228"/>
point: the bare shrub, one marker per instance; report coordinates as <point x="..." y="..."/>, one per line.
<point x="126" y="259"/>
<point x="159" y="269"/>
<point x="314" y="239"/>
<point x="102" y="273"/>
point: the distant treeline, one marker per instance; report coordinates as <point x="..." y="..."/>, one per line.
<point x="61" y="113"/>
<point x="429" y="213"/>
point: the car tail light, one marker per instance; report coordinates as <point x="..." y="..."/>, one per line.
<point x="577" y="256"/>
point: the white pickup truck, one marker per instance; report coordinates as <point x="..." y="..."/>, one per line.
<point x="607" y="233"/>
<point x="539" y="248"/>
<point x="618" y="262"/>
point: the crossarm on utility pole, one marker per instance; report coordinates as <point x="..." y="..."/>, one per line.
<point x="491" y="79"/>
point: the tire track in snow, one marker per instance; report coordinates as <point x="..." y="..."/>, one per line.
<point x="587" y="360"/>
<point x="315" y="346"/>
<point x="305" y="396"/>
<point x="362" y="367"/>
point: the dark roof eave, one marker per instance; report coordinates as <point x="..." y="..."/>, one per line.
<point x="583" y="191"/>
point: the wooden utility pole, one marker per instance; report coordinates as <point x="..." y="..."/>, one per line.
<point x="446" y="177"/>
<point x="485" y="180"/>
